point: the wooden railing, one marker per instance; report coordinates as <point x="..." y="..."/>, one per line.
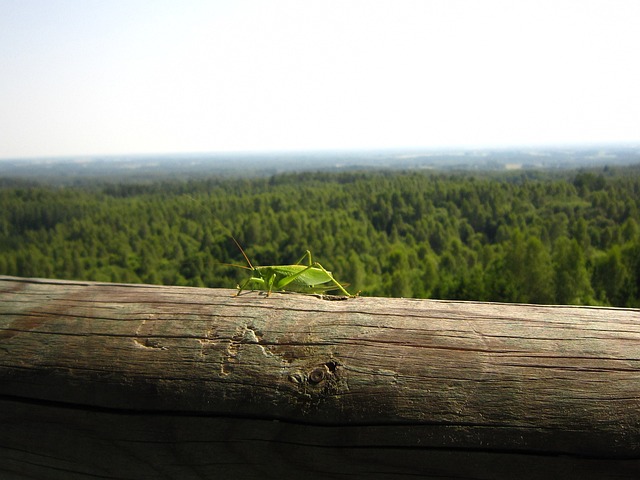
<point x="116" y="381"/>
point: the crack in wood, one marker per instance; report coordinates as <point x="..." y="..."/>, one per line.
<point x="152" y="343"/>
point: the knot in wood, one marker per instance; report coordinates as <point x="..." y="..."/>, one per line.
<point x="317" y="375"/>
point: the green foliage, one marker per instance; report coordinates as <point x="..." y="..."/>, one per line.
<point x="563" y="238"/>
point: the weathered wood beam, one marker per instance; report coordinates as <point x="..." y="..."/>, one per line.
<point x="149" y="382"/>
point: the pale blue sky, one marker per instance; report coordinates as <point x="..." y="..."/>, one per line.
<point x="89" y="77"/>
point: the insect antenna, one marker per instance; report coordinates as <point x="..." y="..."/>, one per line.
<point x="242" y="251"/>
<point x="234" y="265"/>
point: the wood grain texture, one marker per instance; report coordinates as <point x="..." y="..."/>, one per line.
<point x="149" y="382"/>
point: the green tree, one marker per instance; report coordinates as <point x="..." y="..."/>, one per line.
<point x="571" y="278"/>
<point x="611" y="279"/>
<point x="538" y="275"/>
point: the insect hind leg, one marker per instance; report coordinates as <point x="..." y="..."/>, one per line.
<point x="308" y="255"/>
<point x="335" y="282"/>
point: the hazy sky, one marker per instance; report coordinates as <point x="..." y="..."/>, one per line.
<point x="82" y="77"/>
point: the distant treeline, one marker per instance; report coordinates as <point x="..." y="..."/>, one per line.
<point x="564" y="238"/>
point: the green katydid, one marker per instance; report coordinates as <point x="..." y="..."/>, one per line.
<point x="310" y="278"/>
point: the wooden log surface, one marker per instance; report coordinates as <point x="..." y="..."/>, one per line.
<point x="116" y="381"/>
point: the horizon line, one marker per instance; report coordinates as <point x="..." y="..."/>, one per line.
<point x="331" y="150"/>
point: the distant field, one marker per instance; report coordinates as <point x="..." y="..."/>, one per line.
<point x="136" y="168"/>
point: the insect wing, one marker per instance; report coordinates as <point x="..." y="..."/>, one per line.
<point x="309" y="276"/>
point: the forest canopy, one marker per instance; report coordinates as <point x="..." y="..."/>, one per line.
<point x="563" y="238"/>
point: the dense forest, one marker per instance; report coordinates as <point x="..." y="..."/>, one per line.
<point x="562" y="238"/>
